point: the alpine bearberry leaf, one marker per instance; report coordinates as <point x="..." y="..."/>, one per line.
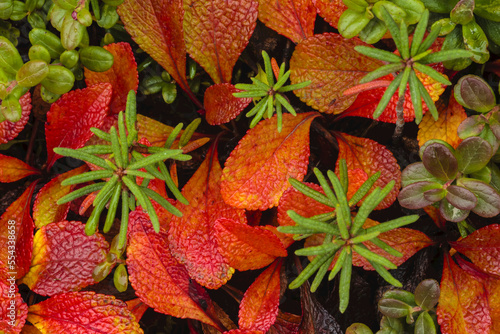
<point x="71" y="117"/>
<point x="122" y="75"/>
<point x="10" y="130"/>
<point x="158" y="279"/>
<point x="83" y="312"/>
<point x="257" y="171"/>
<point x="220" y="104"/>
<point x="13" y="169"/>
<point x="63" y="250"/>
<point x="216" y="32"/>
<point x="291" y="18"/>
<point x="332" y="65"/>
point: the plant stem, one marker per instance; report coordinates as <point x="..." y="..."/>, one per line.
<point x="34" y="130"/>
<point x="400" y="120"/>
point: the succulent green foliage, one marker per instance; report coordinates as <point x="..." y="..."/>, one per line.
<point x="122" y="168"/>
<point x="455" y="180"/>
<point x="270" y="93"/>
<point x="344" y="234"/>
<point x="414" y="55"/>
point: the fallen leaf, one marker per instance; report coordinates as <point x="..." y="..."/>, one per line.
<point x="257" y="171"/>
<point x="220" y="104"/>
<point x="13" y="169"/>
<point x="10" y="130"/>
<point x="216" y="32"/>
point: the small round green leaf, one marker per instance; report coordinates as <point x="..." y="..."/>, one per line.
<point x="440" y="161"/>
<point x="427" y="294"/>
<point x="394" y="308"/>
<point x="96" y="58"/>
<point x="32" y="73"/>
<point x="472" y="154"/>
<point x="461" y="198"/>
<point x="425" y="324"/>
<point x="474" y="93"/>
<point x="60" y="80"/>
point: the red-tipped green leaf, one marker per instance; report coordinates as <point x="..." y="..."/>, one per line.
<point x="46" y="210"/>
<point x="371" y="157"/>
<point x="71" y="117"/>
<point x="247" y="247"/>
<point x="259" y="306"/>
<point x="216" y="32"/>
<point x="83" y="312"/>
<point x="332" y="65"/>
<point x="13" y="169"/>
<point x="64" y="258"/>
<point x="122" y="75"/>
<point x="291" y="18"/>
<point x="220" y="104"/>
<point x="192" y="237"/>
<point x="257" y="171"/>
<point x="330" y="10"/>
<point x="16" y="234"/>
<point x="9" y="130"/>
<point x="157" y="278"/>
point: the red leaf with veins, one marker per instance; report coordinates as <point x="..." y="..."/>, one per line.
<point x="70" y="118"/>
<point x="12" y="169"/>
<point x="11" y="301"/>
<point x="220" y="104"/>
<point x="330" y="10"/>
<point x="9" y="130"/>
<point x="216" y="33"/>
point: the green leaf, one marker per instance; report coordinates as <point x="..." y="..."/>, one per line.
<point x="378" y="54"/>
<point x="440" y="161"/>
<point x="427" y="294"/>
<point x="394" y="308"/>
<point x="488" y="199"/>
<point x="345" y="281"/>
<point x="425" y="324"/>
<point x="473" y="154"/>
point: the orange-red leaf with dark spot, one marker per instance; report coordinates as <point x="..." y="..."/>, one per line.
<point x="9" y="130"/>
<point x="137" y="307"/>
<point x="83" y="312"/>
<point x="192" y="237"/>
<point x="247" y="247"/>
<point x="330" y="10"/>
<point x="64" y="258"/>
<point x="482" y="247"/>
<point x="463" y="304"/>
<point x="122" y="75"/>
<point x="46" y="210"/>
<point x="13" y="310"/>
<point x="13" y="169"/>
<point x="21" y="237"/>
<point x="332" y="65"/>
<point x="216" y="32"/>
<point x="71" y="117"/>
<point x="220" y="104"/>
<point x="371" y="157"/>
<point x="257" y="171"/>
<point x="157" y="278"/>
<point x="259" y="306"/>
<point x="293" y="19"/>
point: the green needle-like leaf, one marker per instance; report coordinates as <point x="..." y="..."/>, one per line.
<point x="312" y="224"/>
<point x="281" y="72"/>
<point x="68" y="152"/>
<point x="418" y="34"/>
<point x="364" y="210"/>
<point x="258" y="107"/>
<point x="285" y="104"/>
<point x="138" y="173"/>
<point x="382" y="71"/>
<point x="268" y="68"/>
<point x="122" y="236"/>
<point x="319" y="276"/>
<point x="369" y="255"/>
<point x="113" y="205"/>
<point x="143" y="200"/>
<point x="363" y="190"/>
<point x="416" y="98"/>
<point x="405" y="48"/>
<point x="88" y="176"/>
<point x="318" y="250"/>
<point x="432" y="73"/>
<point x="282" y="80"/>
<point x="279" y="116"/>
<point x="345" y="282"/>
<point x="171" y="138"/>
<point x="248" y="87"/>
<point x="295" y="229"/>
<point x="311" y="268"/>
<point x="123" y="139"/>
<point x="326" y="187"/>
<point x="342" y="208"/>
<point x="393" y="28"/>
<point x="270" y="106"/>
<point x="343" y="176"/>
<point x="110" y="184"/>
<point x="389" y="92"/>
<point x="252" y="94"/>
<point x="404" y="81"/>
<point x="115" y="144"/>
<point x="260" y="112"/>
<point x="131" y="115"/>
<point x="162" y="201"/>
<point x="261" y="84"/>
<point x="296" y="86"/>
<point x="385" y="247"/>
<point x="189" y="132"/>
<point x="392" y="224"/>
<point x="171" y="185"/>
<point x="433" y="34"/>
<point x="154" y="158"/>
<point x="378" y="54"/>
<point x="384" y="273"/>
<point x="96" y="149"/>
<point x="428" y="100"/>
<point x="364" y="237"/>
<point x="339" y="263"/>
<point x="101" y="134"/>
<point x="309" y="192"/>
<point x="93" y="221"/>
<point x="81" y="192"/>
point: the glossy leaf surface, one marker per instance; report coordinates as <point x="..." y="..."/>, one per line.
<point x="13" y="169"/>
<point x="220" y="104"/>
<point x="10" y="130"/>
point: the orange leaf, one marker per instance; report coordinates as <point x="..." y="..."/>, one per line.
<point x="332" y="65"/>
<point x="463" y="304"/>
<point x="155" y="132"/>
<point x="371" y="157"/>
<point x="156" y="25"/>
<point x="293" y="19"/>
<point x="157" y="278"/>
<point x="482" y="247"/>
<point x="16" y="234"/>
<point x="257" y="171"/>
<point x="259" y="306"/>
<point x="191" y="237"/>
<point x="9" y="130"/>
<point x="330" y="10"/>
<point x="220" y="104"/>
<point x="13" y="169"/>
<point x="493" y="289"/>
<point x="445" y="128"/>
<point x="13" y="310"/>
<point x="435" y="215"/>
<point x="64" y="258"/>
<point x="45" y="209"/>
<point x="83" y="312"/>
<point x="122" y="75"/>
<point x="247" y="247"/>
<point x="71" y="117"/>
<point x="216" y="32"/>
<point x="137" y="307"/>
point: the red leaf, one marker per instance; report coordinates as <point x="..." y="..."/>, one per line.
<point x="137" y="307"/>
<point x="16" y="234"/>
<point x="158" y="279"/>
<point x="71" y="117"/>
<point x="257" y="171"/>
<point x="13" y="310"/>
<point x="247" y="247"/>
<point x="12" y="169"/>
<point x="216" y="32"/>
<point x="259" y="306"/>
<point x="330" y="10"/>
<point x="493" y="289"/>
<point x="64" y="258"/>
<point x="83" y="312"/>
<point x="191" y="237"/>
<point x="332" y="65"/>
<point x="164" y="216"/>
<point x="220" y="104"/>
<point x="46" y="210"/>
<point x="482" y="247"/>
<point x="122" y="75"/>
<point x="371" y="157"/>
<point x="9" y="130"/>
<point x="286" y="323"/>
<point x="293" y="19"/>
<point x="463" y="304"/>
